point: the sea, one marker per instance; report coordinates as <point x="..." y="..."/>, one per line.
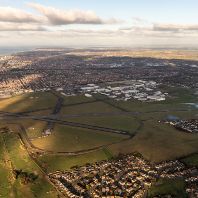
<point x="12" y="50"/>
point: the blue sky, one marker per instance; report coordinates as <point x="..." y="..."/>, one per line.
<point x="157" y="22"/>
<point x="177" y="11"/>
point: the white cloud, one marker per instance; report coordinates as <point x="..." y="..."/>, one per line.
<point x="61" y="17"/>
<point x="50" y="27"/>
<point x="8" y="14"/>
<point x="174" y="27"/>
<point x="105" y="37"/>
<point x="7" y="26"/>
<point x="160" y="29"/>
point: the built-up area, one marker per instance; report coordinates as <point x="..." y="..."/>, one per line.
<point x="127" y="176"/>
<point x="44" y="70"/>
<point x="189" y="126"/>
<point x="134" y="89"/>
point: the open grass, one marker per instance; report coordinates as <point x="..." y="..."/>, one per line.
<point x="175" y="188"/>
<point x="70" y="139"/>
<point x="138" y="106"/>
<point x="164" y="115"/>
<point x="54" y="162"/>
<point x="5" y="171"/>
<point x="42" y="112"/>
<point x="120" y="122"/>
<point x="34" y="128"/>
<point x="191" y="160"/>
<point x="28" y="102"/>
<point x="70" y="100"/>
<point x="14" y="156"/>
<point x="158" y="142"/>
<point x="180" y="95"/>
<point x="95" y="107"/>
<point x="17" y="153"/>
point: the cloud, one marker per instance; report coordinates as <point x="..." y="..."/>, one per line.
<point x="140" y="21"/>
<point x="49" y="26"/>
<point x="20" y="27"/>
<point x="13" y="19"/>
<point x="174" y="27"/>
<point x="8" y="14"/>
<point x="83" y="38"/>
<point x="143" y="26"/>
<point x="60" y="17"/>
<point x="160" y="30"/>
<point x="90" y="33"/>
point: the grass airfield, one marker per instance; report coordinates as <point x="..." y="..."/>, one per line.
<point x="75" y="139"/>
<point x="154" y="140"/>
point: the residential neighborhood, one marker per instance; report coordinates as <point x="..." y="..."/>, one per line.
<point x="43" y="70"/>
<point x="189" y="126"/>
<point x="127" y="176"/>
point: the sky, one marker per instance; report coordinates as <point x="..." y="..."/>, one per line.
<point x="99" y="23"/>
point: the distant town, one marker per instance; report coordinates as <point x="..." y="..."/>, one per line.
<point x="43" y="70"/>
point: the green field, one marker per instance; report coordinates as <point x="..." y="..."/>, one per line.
<point x="6" y="178"/>
<point x="157" y="142"/>
<point x="70" y="139"/>
<point x="121" y="122"/>
<point x="28" y="102"/>
<point x="14" y="156"/>
<point x="55" y="162"/>
<point x="93" y="107"/>
<point x="191" y="160"/>
<point x="34" y="128"/>
<point x="70" y="100"/>
<point x="41" y="112"/>
<point x="176" y="188"/>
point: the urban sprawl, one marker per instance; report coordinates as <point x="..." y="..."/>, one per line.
<point x="43" y="70"/>
<point x="126" y="176"/>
